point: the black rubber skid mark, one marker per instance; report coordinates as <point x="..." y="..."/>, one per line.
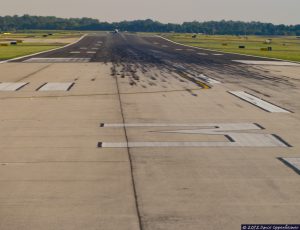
<point x="289" y="165"/>
<point x="259" y="126"/>
<point x="230" y="138"/>
<point x="71" y="86"/>
<point x="22" y="86"/>
<point x="41" y="86"/>
<point x="281" y="140"/>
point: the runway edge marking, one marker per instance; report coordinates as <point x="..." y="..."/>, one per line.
<point x="30" y="55"/>
<point x="247" y="55"/>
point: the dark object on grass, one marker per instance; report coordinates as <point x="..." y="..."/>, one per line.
<point x="13" y="43"/>
<point x="242" y="47"/>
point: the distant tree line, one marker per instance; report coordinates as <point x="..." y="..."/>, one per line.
<point x="27" y="22"/>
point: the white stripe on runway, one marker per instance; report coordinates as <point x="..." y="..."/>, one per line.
<point x="56" y="60"/>
<point x="207" y="79"/>
<point x="258" y="102"/>
<point x="238" y="140"/>
<point x="56" y="86"/>
<point x="276" y="63"/>
<point x="11" y="86"/>
<point x="238" y="135"/>
<point x="232" y="126"/>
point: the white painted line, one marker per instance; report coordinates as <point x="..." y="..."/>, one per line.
<point x="238" y="135"/>
<point x="224" y="52"/>
<point x="75" y="52"/>
<point x="56" y="60"/>
<point x="293" y="162"/>
<point x="11" y="86"/>
<point x="91" y="52"/>
<point x="261" y="140"/>
<point x="207" y="79"/>
<point x="178" y="49"/>
<point x="202" y="53"/>
<point x="276" y="63"/>
<point x="190" y="50"/>
<point x="137" y="125"/>
<point x="30" y="55"/>
<point x="259" y="102"/>
<point x="83" y="48"/>
<point x="217" y="54"/>
<point x="56" y="86"/>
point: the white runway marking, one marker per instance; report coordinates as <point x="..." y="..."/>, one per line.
<point x="202" y="53"/>
<point x="75" y="52"/>
<point x="56" y="60"/>
<point x="91" y="52"/>
<point x="83" y="48"/>
<point x="207" y="79"/>
<point x="218" y="54"/>
<point x="293" y="162"/>
<point x="277" y="63"/>
<point x="95" y="48"/>
<point x="190" y="50"/>
<point x="258" y="102"/>
<point x="233" y="132"/>
<point x="56" y="86"/>
<point x="178" y="49"/>
<point x="11" y="86"/>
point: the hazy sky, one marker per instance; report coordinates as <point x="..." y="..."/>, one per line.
<point x="276" y="11"/>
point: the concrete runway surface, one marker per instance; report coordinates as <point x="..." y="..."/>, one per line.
<point x="132" y="132"/>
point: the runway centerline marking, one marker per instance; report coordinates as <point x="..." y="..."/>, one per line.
<point x="267" y="106"/>
<point x="232" y="131"/>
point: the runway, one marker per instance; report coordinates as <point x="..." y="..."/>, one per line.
<point x="133" y="132"/>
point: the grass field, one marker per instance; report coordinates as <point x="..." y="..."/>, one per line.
<point x="8" y="52"/>
<point x="283" y="47"/>
<point x="33" y="42"/>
